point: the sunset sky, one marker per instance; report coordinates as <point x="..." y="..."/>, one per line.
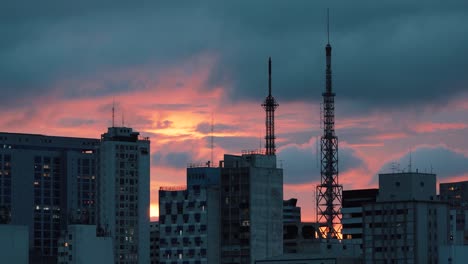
<point x="400" y="73"/>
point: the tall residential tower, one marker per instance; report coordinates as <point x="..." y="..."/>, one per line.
<point x="123" y="193"/>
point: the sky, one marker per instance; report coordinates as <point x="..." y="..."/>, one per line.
<point x="170" y="67"/>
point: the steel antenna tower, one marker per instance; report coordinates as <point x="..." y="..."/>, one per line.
<point x="329" y="190"/>
<point x="270" y="105"/>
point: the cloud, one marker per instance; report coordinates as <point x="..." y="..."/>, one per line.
<point x="205" y="128"/>
<point x="163" y="124"/>
<point x="380" y="52"/>
<point x="302" y="165"/>
<point x="444" y="162"/>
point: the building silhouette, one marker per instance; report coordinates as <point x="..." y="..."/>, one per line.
<point x="123" y="193"/>
<point x="251" y="208"/>
<point x="407" y="224"/>
<point x="189" y="218"/>
<point x="44" y="181"/>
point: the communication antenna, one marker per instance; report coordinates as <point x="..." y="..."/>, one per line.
<point x="113" y="112"/>
<point x="328" y="25"/>
<point x="410" y="162"/>
<point x="123" y="119"/>
<point x="212" y="137"/>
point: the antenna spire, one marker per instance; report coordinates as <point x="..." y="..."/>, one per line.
<point x="328" y="25"/>
<point x="329" y="191"/>
<point x="269" y="76"/>
<point x="270" y="105"/>
<point x="113" y="112"/>
<point x="212" y="137"/>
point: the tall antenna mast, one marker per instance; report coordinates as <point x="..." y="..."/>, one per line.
<point x="212" y="137"/>
<point x="113" y="112"/>
<point x="328" y="26"/>
<point x="329" y="191"/>
<point x="410" y="161"/>
<point x="270" y="106"/>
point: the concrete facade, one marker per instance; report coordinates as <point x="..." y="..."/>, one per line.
<point x="352" y="214"/>
<point x="44" y="181"/>
<point x="291" y="212"/>
<point x="407" y="186"/>
<point x="154" y="242"/>
<point x="189" y="225"/>
<point x="14" y="244"/>
<point x="453" y="254"/>
<point x="251" y="208"/>
<point x="80" y="245"/>
<point x="456" y="195"/>
<point x="406" y="224"/>
<point x="300" y="237"/>
<point x="123" y="194"/>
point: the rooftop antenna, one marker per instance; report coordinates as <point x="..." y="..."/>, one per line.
<point x="212" y="137"/>
<point x="270" y="106"/>
<point x="328" y="26"/>
<point x="410" y="162"/>
<point x="113" y="112"/>
<point x="123" y="119"/>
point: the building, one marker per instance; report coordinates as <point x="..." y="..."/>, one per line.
<point x="406" y="224"/>
<point x="291" y="212"/>
<point x="154" y="242"/>
<point x="80" y="245"/>
<point x="44" y="181"/>
<point x="123" y="193"/>
<point x="14" y="244"/>
<point x="456" y="195"/>
<point x="251" y="208"/>
<point x="202" y="176"/>
<point x="189" y="225"/>
<point x="453" y="254"/>
<point x="300" y="237"/>
<point x="309" y="259"/>
<point x="352" y="214"/>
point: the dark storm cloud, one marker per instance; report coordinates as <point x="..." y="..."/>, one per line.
<point x="234" y="144"/>
<point x="383" y="54"/>
<point x="301" y="165"/>
<point x="443" y="162"/>
<point x="170" y="159"/>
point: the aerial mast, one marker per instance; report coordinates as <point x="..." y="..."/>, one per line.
<point x="270" y="106"/>
<point x="329" y="191"/>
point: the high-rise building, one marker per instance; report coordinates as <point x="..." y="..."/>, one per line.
<point x="79" y="244"/>
<point x="406" y="224"/>
<point x="154" y="242"/>
<point x="189" y="225"/>
<point x="189" y="218"/>
<point x="123" y="193"/>
<point x="352" y="213"/>
<point x="456" y="195"/>
<point x="45" y="182"/>
<point x="251" y="208"/>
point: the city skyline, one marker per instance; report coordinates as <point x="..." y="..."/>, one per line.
<point x="399" y="77"/>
